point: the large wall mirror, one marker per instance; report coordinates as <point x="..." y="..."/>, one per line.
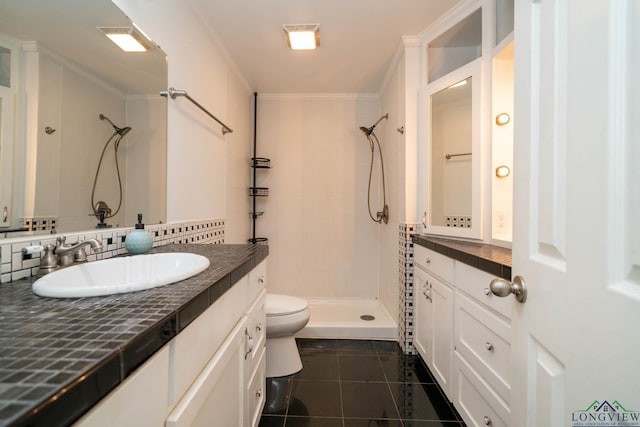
<point x="82" y="120"/>
<point x="453" y="151"/>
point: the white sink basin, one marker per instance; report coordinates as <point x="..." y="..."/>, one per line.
<point x="120" y="275"/>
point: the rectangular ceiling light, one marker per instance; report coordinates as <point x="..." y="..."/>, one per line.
<point x="127" y="38"/>
<point x="302" y="37"/>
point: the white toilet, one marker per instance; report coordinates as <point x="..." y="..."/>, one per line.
<point x="286" y="315"/>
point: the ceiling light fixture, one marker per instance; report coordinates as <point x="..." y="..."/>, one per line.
<point x="303" y="36"/>
<point x="128" y="39"/>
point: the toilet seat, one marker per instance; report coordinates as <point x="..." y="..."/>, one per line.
<point x="282" y="305"/>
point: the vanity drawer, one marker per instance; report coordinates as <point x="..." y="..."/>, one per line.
<point x="255" y="331"/>
<point x="257" y="280"/>
<point x="256" y="391"/>
<point x="475" y="401"/>
<point x="438" y="264"/>
<point x="475" y="283"/>
<point x="484" y="341"/>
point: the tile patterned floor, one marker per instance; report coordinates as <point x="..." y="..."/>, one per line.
<point x="352" y="383"/>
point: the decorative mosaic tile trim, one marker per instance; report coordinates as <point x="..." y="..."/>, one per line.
<point x="41" y="223"/>
<point x="14" y="265"/>
<point x="457" y="221"/>
<point x="405" y="281"/>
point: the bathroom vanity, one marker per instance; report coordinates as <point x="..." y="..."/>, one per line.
<point x="461" y="330"/>
<point x="187" y="354"/>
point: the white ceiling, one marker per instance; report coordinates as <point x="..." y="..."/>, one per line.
<point x="358" y="39"/>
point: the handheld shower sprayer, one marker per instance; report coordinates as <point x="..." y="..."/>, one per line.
<point x="120" y="131"/>
<point x="383" y="215"/>
<point x="100" y="209"/>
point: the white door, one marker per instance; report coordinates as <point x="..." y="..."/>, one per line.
<point x="577" y="213"/>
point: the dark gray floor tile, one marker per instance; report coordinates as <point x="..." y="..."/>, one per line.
<point x="368" y="400"/>
<point x="422" y="402"/>
<point x="362" y="347"/>
<point x="368" y="422"/>
<point x="313" y="422"/>
<point x="271" y="421"/>
<point x="360" y="368"/>
<point x="387" y="347"/>
<point x="277" y="398"/>
<point x="409" y="369"/>
<point x="418" y="423"/>
<point x="313" y="344"/>
<point x="315" y="398"/>
<point x="319" y="365"/>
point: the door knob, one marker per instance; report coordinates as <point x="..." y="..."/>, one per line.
<point x="502" y="288"/>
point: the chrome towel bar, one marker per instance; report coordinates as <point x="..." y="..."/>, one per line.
<point x="173" y="93"/>
<point x="449" y="156"/>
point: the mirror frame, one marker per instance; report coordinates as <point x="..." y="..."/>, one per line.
<point x="473" y="70"/>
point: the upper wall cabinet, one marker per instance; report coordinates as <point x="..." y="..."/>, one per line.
<point x="456" y="47"/>
<point x="465" y="182"/>
<point x="503" y="20"/>
<point x="451" y="147"/>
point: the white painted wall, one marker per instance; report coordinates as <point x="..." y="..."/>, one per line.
<point x="321" y="240"/>
<point x="196" y="150"/>
<point x="392" y="102"/>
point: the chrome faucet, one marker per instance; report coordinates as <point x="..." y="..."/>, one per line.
<point x="69" y="253"/>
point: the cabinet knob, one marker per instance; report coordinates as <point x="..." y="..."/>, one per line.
<point x="259" y="394"/>
<point x="259" y="327"/>
<point x="487" y="291"/>
<point x="427" y="261"/>
<point x="261" y="280"/>
<point x="488" y="346"/>
<point x="487" y="421"/>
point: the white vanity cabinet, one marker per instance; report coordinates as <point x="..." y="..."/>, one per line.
<point x="463" y="333"/>
<point x="211" y="374"/>
<point x="482" y="359"/>
<point x="433" y="324"/>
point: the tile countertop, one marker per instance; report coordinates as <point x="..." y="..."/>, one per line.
<point x="58" y="357"/>
<point x="491" y="259"/>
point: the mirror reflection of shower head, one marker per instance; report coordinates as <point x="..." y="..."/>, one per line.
<point x="120" y="131"/>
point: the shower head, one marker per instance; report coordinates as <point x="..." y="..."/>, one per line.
<point x="120" y="131"/>
<point x="369" y="131"/>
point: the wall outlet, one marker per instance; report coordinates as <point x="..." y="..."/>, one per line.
<point x="500" y="221"/>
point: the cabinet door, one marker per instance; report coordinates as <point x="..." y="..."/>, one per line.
<point x="422" y="319"/>
<point x="140" y="401"/>
<point x="442" y="329"/>
<point x="216" y="398"/>
<point x="433" y="326"/>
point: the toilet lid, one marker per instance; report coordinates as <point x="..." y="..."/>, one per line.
<point x="279" y="305"/>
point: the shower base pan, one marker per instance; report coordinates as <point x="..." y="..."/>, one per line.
<point x="349" y="319"/>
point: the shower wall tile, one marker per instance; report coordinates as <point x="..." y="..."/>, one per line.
<point x="15" y="265"/>
<point x="405" y="282"/>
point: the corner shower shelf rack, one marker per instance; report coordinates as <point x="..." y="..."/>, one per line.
<point x="254" y="191"/>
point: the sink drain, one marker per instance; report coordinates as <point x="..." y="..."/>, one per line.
<point x="367" y="317"/>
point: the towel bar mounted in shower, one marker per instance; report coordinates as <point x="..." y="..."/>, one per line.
<point x="449" y="156"/>
<point x="173" y="93"/>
